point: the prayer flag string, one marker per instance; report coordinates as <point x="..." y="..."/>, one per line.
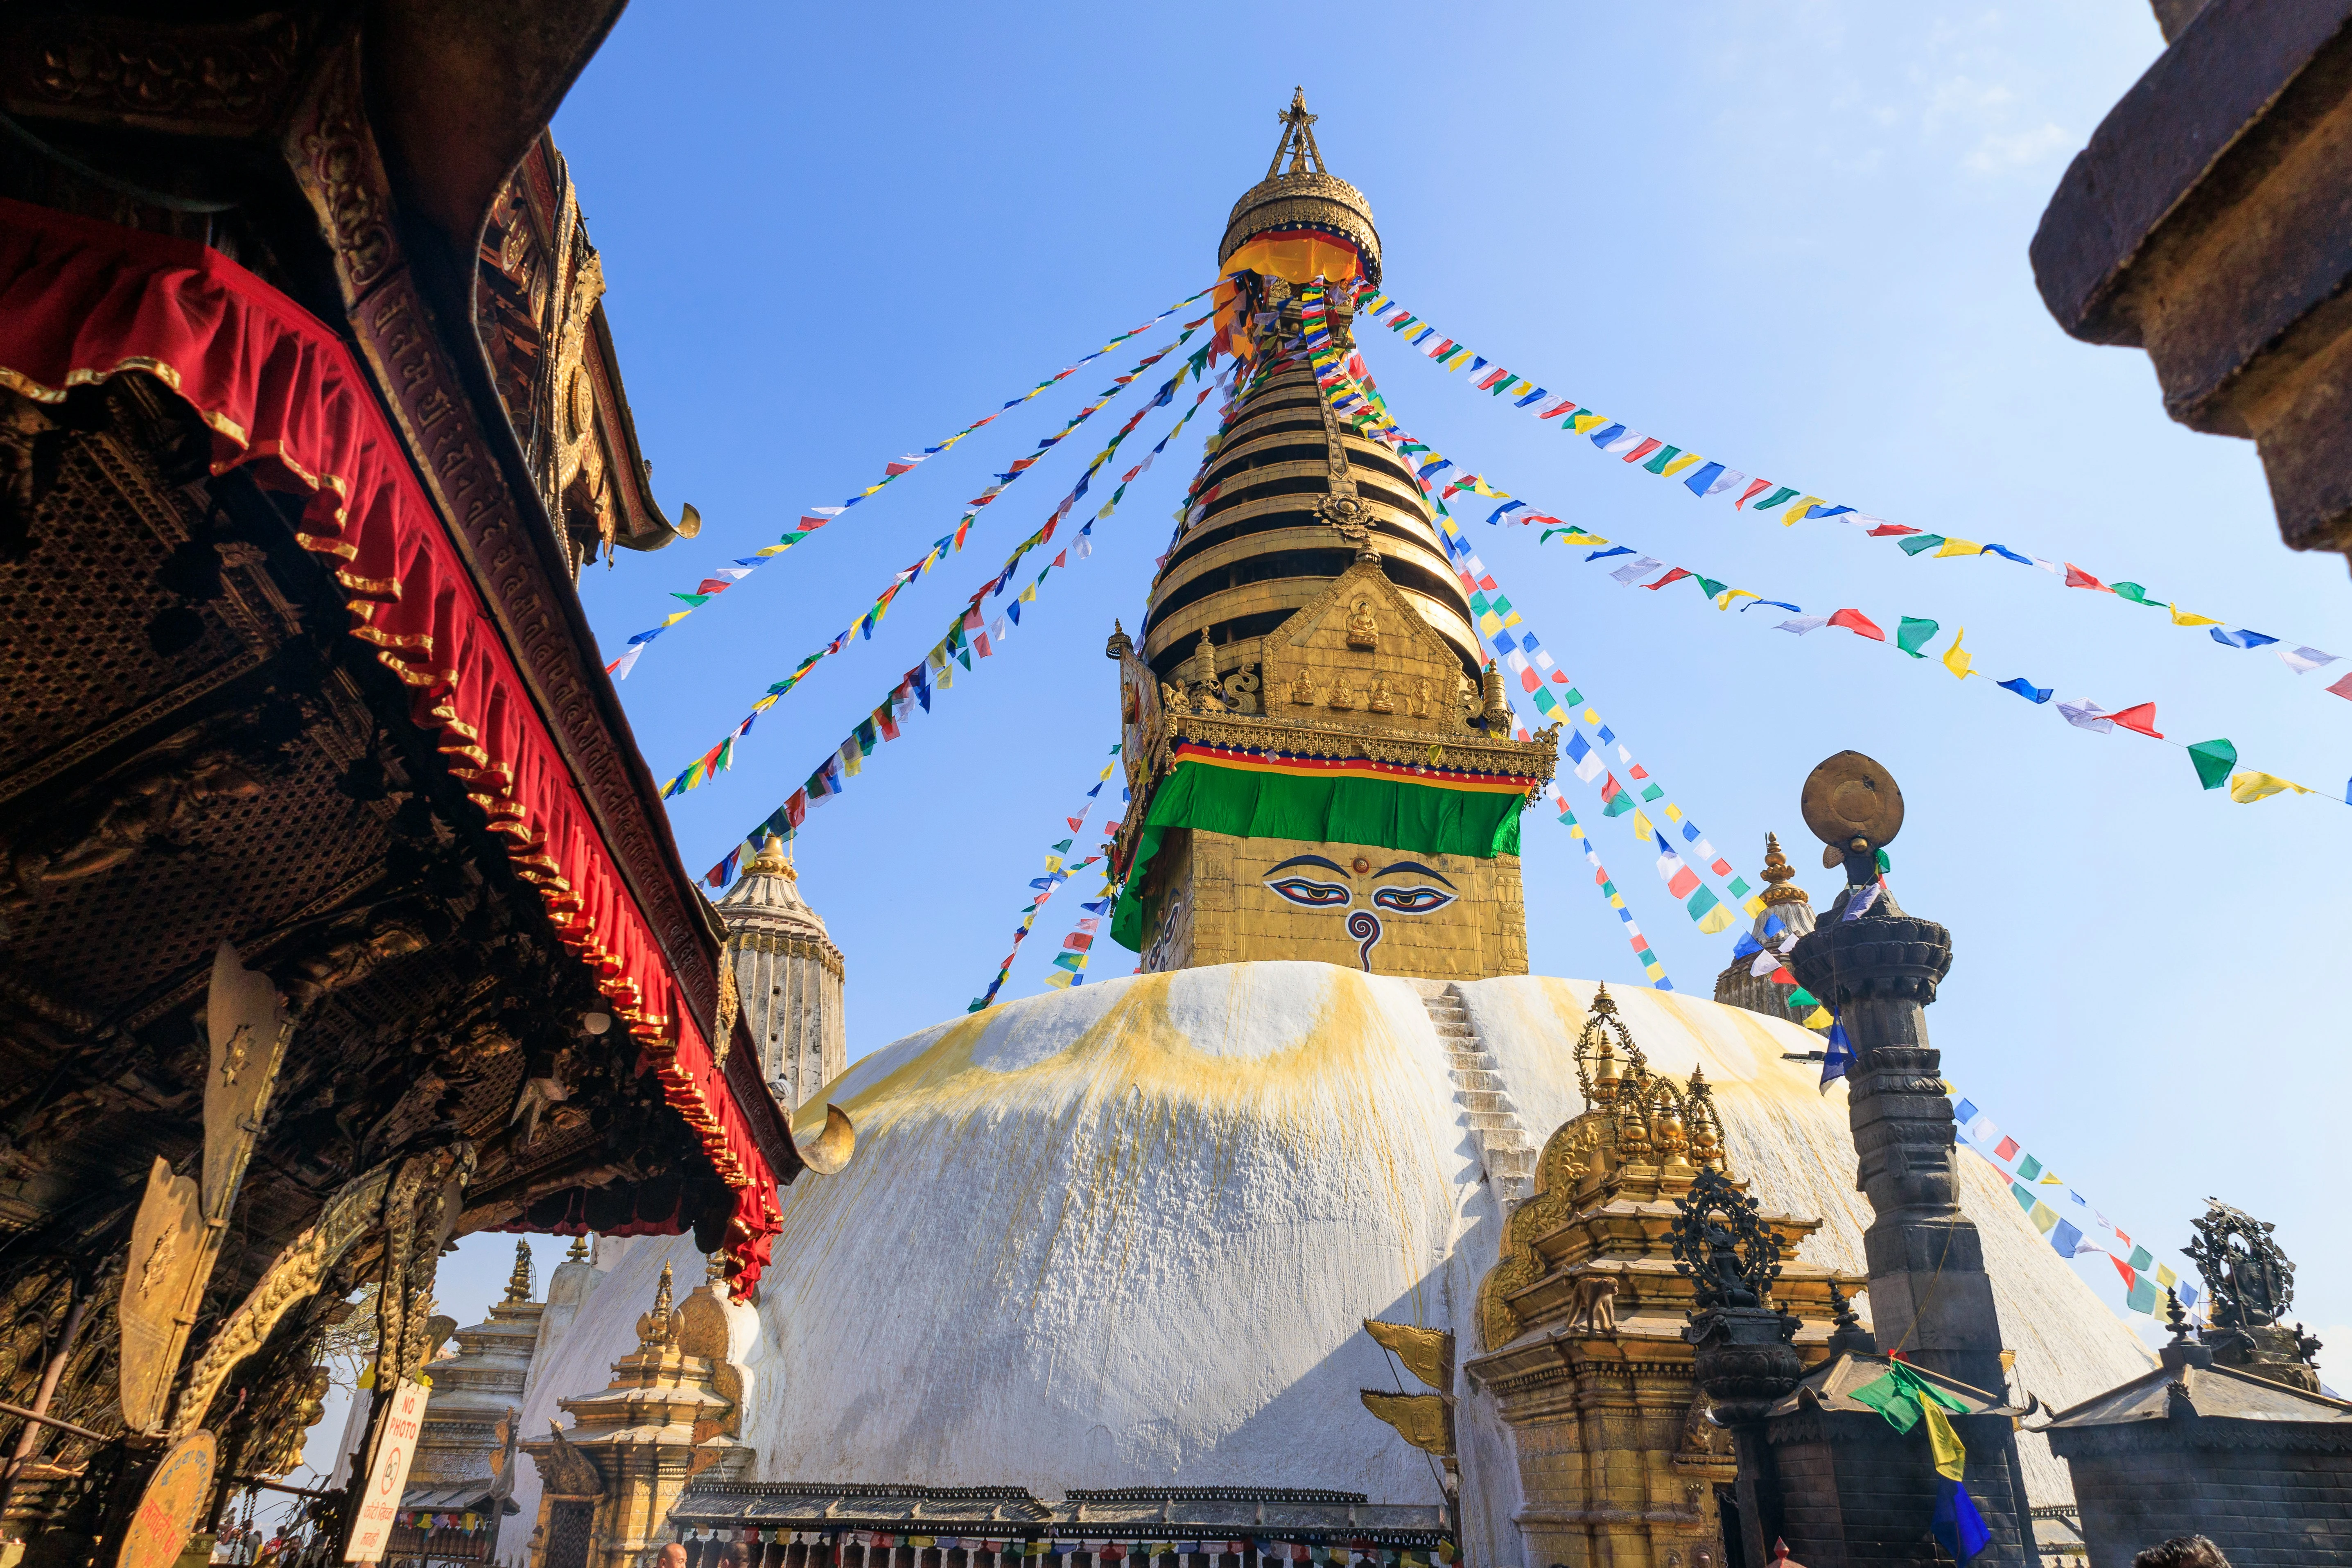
<point x="1357" y="400"/>
<point x="1058" y="871"/>
<point x="2074" y="1228"/>
<point x="968" y="635"/>
<point x="815" y="517"/>
<point x="1496" y="620"/>
<point x="1707" y="478"/>
<point x="721" y="757"/>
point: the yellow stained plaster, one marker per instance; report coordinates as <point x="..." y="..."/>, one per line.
<point x="1149" y="1089"/>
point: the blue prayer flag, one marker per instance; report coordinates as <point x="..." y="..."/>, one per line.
<point x="1607" y="433"/>
<point x="1704" y="475"/>
<point x="1958" y="1524"/>
<point x="1605" y="554"/>
<point x="1837" y="1055"/>
<point x="2065" y="1238"/>
<point x="2027" y="689"/>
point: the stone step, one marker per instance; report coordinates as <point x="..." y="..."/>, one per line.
<point x="1516" y="1165"/>
<point x="1491" y="1120"/>
<point x="1486" y="1100"/>
<point x="1476" y="1077"/>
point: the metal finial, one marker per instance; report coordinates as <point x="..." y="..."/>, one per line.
<point x="579" y="1252"/>
<point x="519" y="1282"/>
<point x="1298" y="140"/>
<point x="1779" y="875"/>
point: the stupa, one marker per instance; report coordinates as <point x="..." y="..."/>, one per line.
<point x="1108" y="1254"/>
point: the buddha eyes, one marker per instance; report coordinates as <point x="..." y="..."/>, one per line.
<point x="1412" y="900"/>
<point x="1314" y="895"/>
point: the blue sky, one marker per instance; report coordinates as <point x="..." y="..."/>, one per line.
<point x="1793" y="237"/>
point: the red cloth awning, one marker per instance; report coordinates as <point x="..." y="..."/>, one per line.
<point x="82" y="301"/>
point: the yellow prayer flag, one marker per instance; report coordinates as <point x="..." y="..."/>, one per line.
<point x="2165" y="1277"/>
<point x="1819" y="1018"/>
<point x="1679" y="464"/>
<point x="1951" y="1457"/>
<point x="1755" y="904"/>
<point x="1592" y="715"/>
<point x="672" y="620"/>
<point x="1960" y="547"/>
<point x="1723" y="601"/>
<point x="1955" y="657"/>
<point x="2181" y="617"/>
<point x="1616" y="900"/>
<point x="1059" y="978"/>
<point x="1674" y="812"/>
<point x="2249" y="787"/>
<point x="1642" y="824"/>
<point x="1715" y="919"/>
<point x="1798" y="509"/>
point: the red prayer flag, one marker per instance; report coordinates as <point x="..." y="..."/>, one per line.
<point x="1497" y="373"/>
<point x="2130" y="1278"/>
<point x="796" y="807"/>
<point x="713" y="586"/>
<point x="1858" y="624"/>
<point x="1649" y="444"/>
<point x="2343" y="688"/>
<point x="2007" y="1149"/>
<point x="1675" y="575"/>
<point x="887" y="720"/>
<point x="2078" y="578"/>
<point x="1891" y="530"/>
<point x="1755" y="488"/>
<point x="1685" y="880"/>
<point x="2140" y="717"/>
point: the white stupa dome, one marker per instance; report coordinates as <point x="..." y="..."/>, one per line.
<point x="1126" y="1234"/>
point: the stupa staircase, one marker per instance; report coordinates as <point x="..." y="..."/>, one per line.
<point x="1495" y="1130"/>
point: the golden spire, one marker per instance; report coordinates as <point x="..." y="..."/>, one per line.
<point x="579" y="1252"/>
<point x="771" y="859"/>
<point x="658" y="1327"/>
<point x="1777" y="872"/>
<point x="519" y="1282"/>
<point x="1298" y="140"/>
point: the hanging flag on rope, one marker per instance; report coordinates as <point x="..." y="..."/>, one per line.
<point x="2073" y="1228"/>
<point x="1371" y="415"/>
<point x="1057" y="873"/>
<point x="719" y="757"/>
<point x="817" y="517"/>
<point x="1705" y="477"/>
<point x="966" y="636"/>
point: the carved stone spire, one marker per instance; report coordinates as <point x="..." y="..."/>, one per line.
<point x="788" y="976"/>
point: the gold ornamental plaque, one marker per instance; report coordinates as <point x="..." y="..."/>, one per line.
<point x="170" y="1255"/>
<point x="168" y="1509"/>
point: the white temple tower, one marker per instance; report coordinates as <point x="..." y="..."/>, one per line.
<point x="788" y="972"/>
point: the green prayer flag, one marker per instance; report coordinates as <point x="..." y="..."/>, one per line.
<point x="1708" y="585"/>
<point x="2027" y="1168"/>
<point x="1898" y="1395"/>
<point x="1884" y="865"/>
<point x="1912" y="634"/>
<point x="1574" y="697"/>
<point x="2135" y="593"/>
<point x="1657" y="465"/>
<point x="1919" y="541"/>
<point x="1064" y="845"/>
<point x="1801" y="997"/>
<point x="1784" y="493"/>
<point x="1700" y="902"/>
<point x="1739" y="886"/>
<point x="1618" y="804"/>
<point x="2025" y="1200"/>
<point x="2142" y="1258"/>
<point x="694" y="599"/>
<point x="2213" y="760"/>
<point x="1654" y="792"/>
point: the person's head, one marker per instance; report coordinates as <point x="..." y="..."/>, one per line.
<point x="2182" y="1552"/>
<point x="671" y="1556"/>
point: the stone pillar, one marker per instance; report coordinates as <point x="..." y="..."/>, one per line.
<point x="1877" y="968"/>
